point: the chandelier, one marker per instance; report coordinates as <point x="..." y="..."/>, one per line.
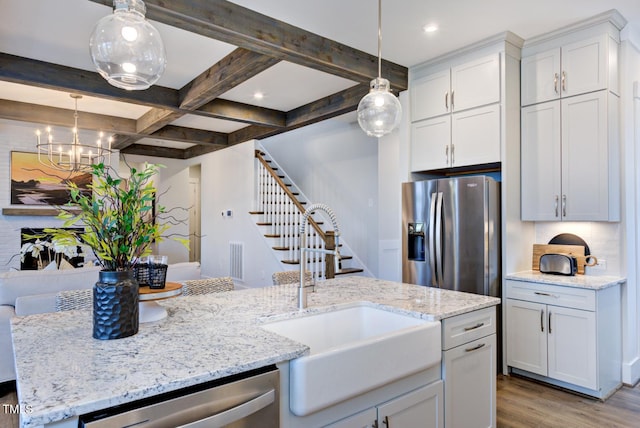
<point x="379" y="112"/>
<point x="126" y="49"/>
<point x="73" y="156"/>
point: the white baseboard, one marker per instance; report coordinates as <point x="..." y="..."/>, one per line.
<point x="631" y="372"/>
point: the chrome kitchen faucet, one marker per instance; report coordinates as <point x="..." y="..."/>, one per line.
<point x="302" y="294"/>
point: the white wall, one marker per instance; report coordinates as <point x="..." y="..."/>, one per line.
<point x="336" y="163"/>
<point x="19" y="136"/>
<point x="630" y="233"/>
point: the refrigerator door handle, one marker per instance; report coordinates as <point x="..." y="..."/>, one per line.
<point x="432" y="255"/>
<point x="438" y="240"/>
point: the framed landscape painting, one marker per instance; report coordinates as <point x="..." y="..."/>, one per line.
<point x="33" y="183"/>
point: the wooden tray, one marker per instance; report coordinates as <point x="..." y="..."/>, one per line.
<point x="575" y="250"/>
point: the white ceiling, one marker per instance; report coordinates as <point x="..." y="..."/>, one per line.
<point x="58" y="32"/>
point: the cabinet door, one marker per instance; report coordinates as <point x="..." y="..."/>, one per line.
<point x="364" y="419"/>
<point x="541" y="162"/>
<point x="420" y="408"/>
<point x="430" y="141"/>
<point x="430" y="95"/>
<point x="527" y="336"/>
<point x="540" y="77"/>
<point x="584" y="66"/>
<point x="475" y="83"/>
<point x="469" y="373"/>
<point x="475" y="136"/>
<point x="572" y="346"/>
<point x="585" y="163"/>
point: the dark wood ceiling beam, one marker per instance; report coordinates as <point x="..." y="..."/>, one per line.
<point x="246" y="113"/>
<point x="234" y="69"/>
<point x="325" y="108"/>
<point x="53" y="116"/>
<point x="190" y="135"/>
<point x="202" y="150"/>
<point x="161" y="152"/>
<point x="239" y="26"/>
<point x="331" y="106"/>
<point x="53" y="76"/>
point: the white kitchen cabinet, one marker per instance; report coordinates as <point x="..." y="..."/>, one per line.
<point x="567" y="336"/>
<point x="456" y="113"/>
<point x="471" y="84"/>
<point x="420" y="408"/>
<point x="570" y="159"/>
<point x="469" y="369"/>
<point x="575" y="68"/>
<point x="470" y="137"/>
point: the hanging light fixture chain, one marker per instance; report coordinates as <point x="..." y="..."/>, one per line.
<point x="379" y="38"/>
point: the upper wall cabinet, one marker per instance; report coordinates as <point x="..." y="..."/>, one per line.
<point x="471" y="84"/>
<point x="458" y="105"/>
<point x="575" y="68"/>
<point x="570" y="153"/>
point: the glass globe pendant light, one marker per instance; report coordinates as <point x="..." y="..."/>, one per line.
<point x="126" y="49"/>
<point x="379" y="112"/>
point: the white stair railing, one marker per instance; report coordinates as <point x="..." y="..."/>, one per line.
<point x="282" y="212"/>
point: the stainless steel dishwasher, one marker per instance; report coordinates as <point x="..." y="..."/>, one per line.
<point x="248" y="400"/>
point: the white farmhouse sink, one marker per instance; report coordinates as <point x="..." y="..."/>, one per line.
<point x="354" y="350"/>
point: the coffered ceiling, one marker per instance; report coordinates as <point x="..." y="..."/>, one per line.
<point x="311" y="60"/>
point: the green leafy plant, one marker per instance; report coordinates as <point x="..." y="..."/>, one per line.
<point x="118" y="218"/>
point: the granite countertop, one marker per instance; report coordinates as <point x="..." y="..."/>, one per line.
<point x="578" y="281"/>
<point x="62" y="372"/>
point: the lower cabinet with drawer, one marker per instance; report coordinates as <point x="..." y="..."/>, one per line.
<point x="469" y="369"/>
<point x="567" y="336"/>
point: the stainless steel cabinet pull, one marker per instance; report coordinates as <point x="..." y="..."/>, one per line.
<point x="549" y="328"/>
<point x="542" y="320"/>
<point x="446" y="100"/>
<point x="556" y="205"/>
<point x="453" y="157"/>
<point x="555" y="82"/>
<point x="475" y="348"/>
<point x="564" y="205"/>
<point x="564" y="81"/>
<point x="446" y="154"/>
<point x="540" y="293"/>
<point x="452" y="102"/>
<point x="480" y="324"/>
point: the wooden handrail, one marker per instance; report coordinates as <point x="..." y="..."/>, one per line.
<point x="290" y="194"/>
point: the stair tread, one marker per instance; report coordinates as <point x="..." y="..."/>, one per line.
<point x="265" y="223"/>
<point x="345" y="271"/>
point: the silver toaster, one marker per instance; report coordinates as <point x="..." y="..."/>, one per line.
<point x="558" y="264"/>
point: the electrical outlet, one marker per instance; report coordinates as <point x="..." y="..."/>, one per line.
<point x="601" y="265"/>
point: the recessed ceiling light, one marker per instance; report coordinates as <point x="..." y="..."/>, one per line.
<point x="258" y="95"/>
<point x="430" y="28"/>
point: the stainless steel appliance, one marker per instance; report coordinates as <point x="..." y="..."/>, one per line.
<point x="249" y="400"/>
<point x="451" y="234"/>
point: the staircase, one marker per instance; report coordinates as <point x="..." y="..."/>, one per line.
<point x="279" y="212"/>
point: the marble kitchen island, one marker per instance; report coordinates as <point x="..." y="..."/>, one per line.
<point x="62" y="372"/>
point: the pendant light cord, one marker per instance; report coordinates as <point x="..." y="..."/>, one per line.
<point x="379" y="38"/>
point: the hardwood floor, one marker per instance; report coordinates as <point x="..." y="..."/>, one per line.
<point x="521" y="404"/>
<point x="524" y="403"/>
<point x="8" y="419"/>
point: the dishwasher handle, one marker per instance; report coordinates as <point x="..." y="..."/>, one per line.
<point x="235" y="413"/>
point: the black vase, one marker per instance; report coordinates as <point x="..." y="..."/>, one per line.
<point x="115" y="305"/>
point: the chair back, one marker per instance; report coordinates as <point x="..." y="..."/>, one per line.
<point x="208" y="285"/>
<point x="290" y="277"/>
<point x="70" y="300"/>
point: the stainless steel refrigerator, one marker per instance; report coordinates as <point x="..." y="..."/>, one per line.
<point x="451" y="234"/>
